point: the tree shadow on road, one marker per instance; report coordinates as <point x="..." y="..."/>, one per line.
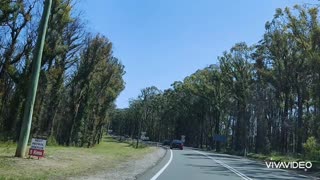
<point x="252" y="169"/>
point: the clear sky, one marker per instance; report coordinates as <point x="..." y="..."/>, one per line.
<point x="162" y="41"/>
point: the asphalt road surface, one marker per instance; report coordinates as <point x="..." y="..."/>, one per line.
<point x="191" y="164"/>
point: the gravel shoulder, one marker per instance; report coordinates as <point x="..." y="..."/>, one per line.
<point x="130" y="169"/>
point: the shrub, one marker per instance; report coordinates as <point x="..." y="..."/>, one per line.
<point x="311" y="148"/>
<point x="52" y="141"/>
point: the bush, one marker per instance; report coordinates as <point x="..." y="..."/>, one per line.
<point x="311" y="148"/>
<point x="52" y="141"/>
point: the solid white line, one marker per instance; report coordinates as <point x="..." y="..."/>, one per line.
<point x="227" y="166"/>
<point x="163" y="168"/>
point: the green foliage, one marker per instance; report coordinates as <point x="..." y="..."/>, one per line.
<point x="312" y="149"/>
<point x="51" y="141"/>
<point x="79" y="81"/>
<point x="92" y="91"/>
<point x="264" y="98"/>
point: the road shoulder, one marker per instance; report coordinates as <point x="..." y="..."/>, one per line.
<point x="260" y="163"/>
<point x="131" y="169"/>
<point x="149" y="173"/>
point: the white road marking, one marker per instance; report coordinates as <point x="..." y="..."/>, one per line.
<point x="163" y="168"/>
<point x="227" y="166"/>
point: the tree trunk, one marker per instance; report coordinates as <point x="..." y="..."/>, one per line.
<point x="299" y="124"/>
<point x="284" y="124"/>
<point x="217" y="129"/>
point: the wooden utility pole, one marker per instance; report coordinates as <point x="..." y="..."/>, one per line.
<point x="32" y="90"/>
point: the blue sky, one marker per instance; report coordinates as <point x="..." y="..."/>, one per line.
<point x="162" y="41"/>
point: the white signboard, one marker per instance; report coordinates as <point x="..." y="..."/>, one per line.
<point x="143" y="136"/>
<point x="38" y="144"/>
<point x="183" y="138"/>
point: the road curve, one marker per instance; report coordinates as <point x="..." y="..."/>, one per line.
<point x="190" y="164"/>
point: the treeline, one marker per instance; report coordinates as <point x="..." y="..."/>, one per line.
<point x="79" y="80"/>
<point x="263" y="98"/>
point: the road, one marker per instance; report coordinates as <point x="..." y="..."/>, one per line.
<point x="191" y="164"/>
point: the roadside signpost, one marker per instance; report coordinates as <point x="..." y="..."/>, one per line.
<point x="220" y="138"/>
<point x="183" y="138"/>
<point x="32" y="88"/>
<point x="37" y="147"/>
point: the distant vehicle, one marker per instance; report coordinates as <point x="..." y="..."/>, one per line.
<point x="166" y="143"/>
<point x="176" y="144"/>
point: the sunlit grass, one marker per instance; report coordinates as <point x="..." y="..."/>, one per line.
<point x="62" y="161"/>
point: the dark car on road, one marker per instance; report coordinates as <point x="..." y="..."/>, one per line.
<point x="166" y="143"/>
<point x="176" y="144"/>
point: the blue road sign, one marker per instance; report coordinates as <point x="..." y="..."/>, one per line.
<point x="220" y="138"/>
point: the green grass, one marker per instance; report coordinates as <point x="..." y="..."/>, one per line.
<point x="61" y="162"/>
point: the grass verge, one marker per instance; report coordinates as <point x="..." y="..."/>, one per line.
<point x="62" y="162"/>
